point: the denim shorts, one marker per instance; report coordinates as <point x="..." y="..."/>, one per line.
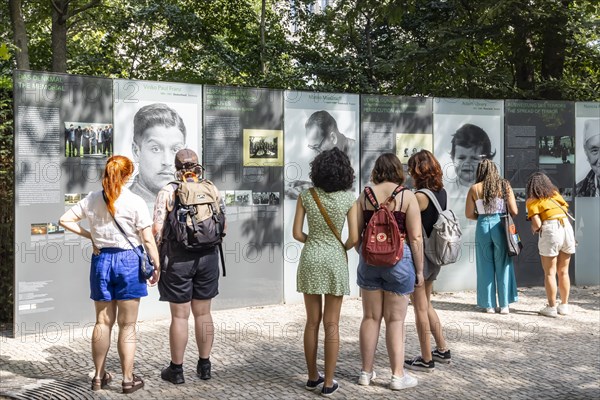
<point x="115" y="275"/>
<point x="399" y="279"/>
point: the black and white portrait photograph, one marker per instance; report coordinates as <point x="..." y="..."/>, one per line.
<point x="310" y="132"/>
<point x="461" y="142"/>
<point x="587" y="172"/>
<point x="151" y="134"/>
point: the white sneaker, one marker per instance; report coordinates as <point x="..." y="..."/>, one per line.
<point x="563" y="309"/>
<point x="490" y="310"/>
<point x="549" y="311"/>
<point x="404" y="382"/>
<point x="365" y="378"/>
<point x="504" y="310"/>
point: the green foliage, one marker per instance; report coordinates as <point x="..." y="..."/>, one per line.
<point x="7" y="209"/>
<point x="444" y="48"/>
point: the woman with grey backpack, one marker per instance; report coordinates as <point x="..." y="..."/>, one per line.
<point x="427" y="174"/>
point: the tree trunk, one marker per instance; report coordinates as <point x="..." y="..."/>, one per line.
<point x="59" y="35"/>
<point x="19" y="34"/>
<point x="370" y="59"/>
<point x="263" y="11"/>
<point x="521" y="49"/>
<point x="553" y="56"/>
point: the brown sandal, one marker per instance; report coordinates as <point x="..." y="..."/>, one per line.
<point x="101" y="383"/>
<point x="135" y="384"/>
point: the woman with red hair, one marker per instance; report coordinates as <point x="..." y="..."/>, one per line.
<point x="116" y="284"/>
<point x="427" y="174"/>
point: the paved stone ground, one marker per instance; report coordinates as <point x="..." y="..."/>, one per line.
<point x="258" y="355"/>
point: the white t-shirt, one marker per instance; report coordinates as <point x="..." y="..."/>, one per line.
<point x="130" y="210"/>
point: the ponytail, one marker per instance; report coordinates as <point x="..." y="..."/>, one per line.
<point x="116" y="173"/>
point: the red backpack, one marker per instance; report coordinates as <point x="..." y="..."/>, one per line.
<point x="383" y="244"/>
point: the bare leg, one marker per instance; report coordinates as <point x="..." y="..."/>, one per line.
<point x="434" y="321"/>
<point x="372" y="302"/>
<point x="549" y="265"/>
<point x="178" y="331"/>
<point x="203" y="326"/>
<point x="394" y="313"/>
<point x="126" y="318"/>
<point x="564" y="282"/>
<point x="106" y="312"/>
<point x="312" y="303"/>
<point x="331" y="323"/>
<point x="421" y="306"/>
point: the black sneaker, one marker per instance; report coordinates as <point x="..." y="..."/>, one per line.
<point x="173" y="375"/>
<point x="443" y="357"/>
<point x="328" y="391"/>
<point x="312" y="385"/>
<point x="203" y="369"/>
<point x="418" y="364"/>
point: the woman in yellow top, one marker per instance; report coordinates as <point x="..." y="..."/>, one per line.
<point x="547" y="211"/>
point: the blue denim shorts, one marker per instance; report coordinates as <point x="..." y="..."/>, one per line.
<point x="115" y="275"/>
<point x="399" y="279"/>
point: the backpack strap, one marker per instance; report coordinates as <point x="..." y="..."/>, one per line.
<point x="432" y="198"/>
<point x="371" y="197"/>
<point x="392" y="197"/>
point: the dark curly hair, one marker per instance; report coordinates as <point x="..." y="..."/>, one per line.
<point x="539" y="186"/>
<point x="470" y="135"/>
<point x="331" y="171"/>
<point x="388" y="168"/>
<point x="425" y="170"/>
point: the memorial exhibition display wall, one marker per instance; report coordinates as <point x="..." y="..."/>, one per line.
<point x="256" y="146"/>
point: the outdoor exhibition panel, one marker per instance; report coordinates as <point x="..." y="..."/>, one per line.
<point x="540" y="136"/>
<point x="587" y="227"/>
<point x="339" y="114"/>
<point x="142" y="112"/>
<point x="464" y="131"/>
<point x="243" y="156"/>
<point x="256" y="146"/>
<point x="61" y="146"/>
<point x="399" y="125"/>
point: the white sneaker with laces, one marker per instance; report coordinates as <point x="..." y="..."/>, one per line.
<point x="548" y="312"/>
<point x="504" y="310"/>
<point x="490" y="310"/>
<point x="404" y="382"/>
<point x="365" y="378"/>
<point x="563" y="309"/>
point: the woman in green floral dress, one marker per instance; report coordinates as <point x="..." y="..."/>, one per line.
<point x="323" y="268"/>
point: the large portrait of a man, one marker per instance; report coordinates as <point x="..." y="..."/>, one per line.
<point x="589" y="186"/>
<point x="158" y="134"/>
<point x="321" y="133"/>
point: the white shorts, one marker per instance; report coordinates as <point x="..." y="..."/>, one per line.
<point x="556" y="235"/>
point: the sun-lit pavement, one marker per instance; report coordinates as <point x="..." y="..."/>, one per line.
<point x="258" y="355"/>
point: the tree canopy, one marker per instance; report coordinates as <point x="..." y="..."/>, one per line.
<point x="539" y="49"/>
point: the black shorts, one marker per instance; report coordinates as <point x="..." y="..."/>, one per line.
<point x="185" y="276"/>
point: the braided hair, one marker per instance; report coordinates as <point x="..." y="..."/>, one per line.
<point x="493" y="184"/>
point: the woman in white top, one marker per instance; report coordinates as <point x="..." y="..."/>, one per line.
<point x="495" y="271"/>
<point x="115" y="281"/>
